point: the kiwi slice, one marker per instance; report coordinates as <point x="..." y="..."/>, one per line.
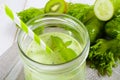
<point x="55" y="6"/>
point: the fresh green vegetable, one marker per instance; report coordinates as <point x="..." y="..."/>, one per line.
<point x="60" y="47"/>
<point x="105" y="9"/>
<point x="54" y="6"/>
<point x="117" y="14"/>
<point x="30" y="13"/>
<point x="94" y="27"/>
<point x="83" y="12"/>
<point x="112" y="27"/>
<point x="104" y="55"/>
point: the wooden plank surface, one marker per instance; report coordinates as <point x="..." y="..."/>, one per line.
<point x="8" y="61"/>
<point x="7" y="27"/>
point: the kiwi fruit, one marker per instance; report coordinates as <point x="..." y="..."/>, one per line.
<point x="55" y="6"/>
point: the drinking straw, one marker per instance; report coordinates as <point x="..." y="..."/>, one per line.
<point x="24" y="27"/>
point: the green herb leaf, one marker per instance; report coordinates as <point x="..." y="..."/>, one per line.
<point x="60" y="47"/>
<point x="68" y="43"/>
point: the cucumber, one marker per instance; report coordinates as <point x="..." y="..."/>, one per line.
<point x="104" y="9"/>
<point x="94" y="27"/>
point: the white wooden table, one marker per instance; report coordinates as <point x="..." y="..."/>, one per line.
<point x="8" y="30"/>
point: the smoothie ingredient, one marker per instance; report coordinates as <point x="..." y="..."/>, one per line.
<point x="30" y="13"/>
<point x="104" y="9"/>
<point x="104" y="55"/>
<point x="117" y="13"/>
<point x="112" y="27"/>
<point x="55" y="6"/>
<point x="83" y="12"/>
<point x="94" y="27"/>
<point x="58" y="46"/>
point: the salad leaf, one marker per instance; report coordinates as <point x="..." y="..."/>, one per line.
<point x="30" y="13"/>
<point x="83" y="12"/>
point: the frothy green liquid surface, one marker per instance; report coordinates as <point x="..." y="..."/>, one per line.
<point x="65" y="48"/>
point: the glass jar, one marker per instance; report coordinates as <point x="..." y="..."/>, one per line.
<point x="61" y="23"/>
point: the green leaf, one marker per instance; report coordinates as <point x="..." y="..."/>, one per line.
<point x="68" y="54"/>
<point x="30" y="13"/>
<point x="56" y="43"/>
<point x="68" y="43"/>
<point x="61" y="47"/>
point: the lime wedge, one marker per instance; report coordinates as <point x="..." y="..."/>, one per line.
<point x="104" y="9"/>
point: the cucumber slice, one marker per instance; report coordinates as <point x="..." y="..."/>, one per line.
<point x="104" y="9"/>
<point x="55" y="6"/>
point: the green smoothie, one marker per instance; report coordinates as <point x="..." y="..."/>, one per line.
<point x="65" y="48"/>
